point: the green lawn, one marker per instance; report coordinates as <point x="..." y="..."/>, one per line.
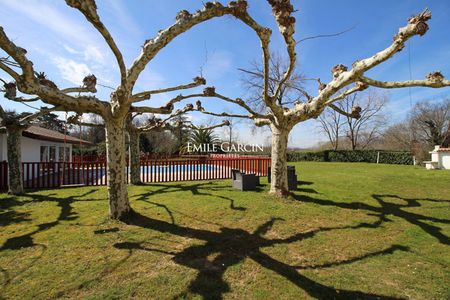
<point x="351" y="231"/>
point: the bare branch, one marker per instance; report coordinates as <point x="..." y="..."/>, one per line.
<point x="224" y="114"/>
<point x="18" y="54"/>
<point x="21" y="99"/>
<point x="197" y="81"/>
<point x="47" y="91"/>
<point x="184" y="21"/>
<point x="8" y="70"/>
<point x="192" y="126"/>
<point x="89" y="85"/>
<point x="155" y="122"/>
<point x="326" y="35"/>
<point x="167" y="109"/>
<point x="264" y="37"/>
<point x="133" y="116"/>
<point x="355" y="113"/>
<point x="357" y="88"/>
<point x="433" y="80"/>
<point x="89" y="9"/>
<point x="282" y="10"/>
<point x="211" y="92"/>
<point x="43" y="111"/>
<point x="258" y="121"/>
<point x="416" y="26"/>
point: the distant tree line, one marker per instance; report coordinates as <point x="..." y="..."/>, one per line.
<point x="426" y="125"/>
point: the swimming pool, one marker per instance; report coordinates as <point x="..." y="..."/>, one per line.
<point x="177" y="168"/>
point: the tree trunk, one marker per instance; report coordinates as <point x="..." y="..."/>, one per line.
<point x="119" y="206"/>
<point x="279" y="183"/>
<point x="135" y="158"/>
<point x="15" y="184"/>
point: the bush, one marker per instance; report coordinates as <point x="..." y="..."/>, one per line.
<point x="369" y="156"/>
<point x="307" y="156"/>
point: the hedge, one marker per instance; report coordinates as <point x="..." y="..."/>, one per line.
<point x="370" y="156"/>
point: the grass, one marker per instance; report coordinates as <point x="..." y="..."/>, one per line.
<point x="351" y="231"/>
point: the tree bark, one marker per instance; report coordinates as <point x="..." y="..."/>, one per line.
<point x="119" y="206"/>
<point x="15" y="184"/>
<point x="135" y="158"/>
<point x="279" y="183"/>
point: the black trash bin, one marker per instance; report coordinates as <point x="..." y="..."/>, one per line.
<point x="292" y="178"/>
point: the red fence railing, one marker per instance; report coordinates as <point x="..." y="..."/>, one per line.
<point x="37" y="175"/>
<point x="200" y="169"/>
<point x="102" y="158"/>
<point x="49" y="175"/>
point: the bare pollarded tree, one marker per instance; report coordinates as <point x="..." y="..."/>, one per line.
<point x="345" y="81"/>
<point x="114" y="111"/>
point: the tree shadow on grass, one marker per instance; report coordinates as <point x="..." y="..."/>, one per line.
<point x="13" y="217"/>
<point x="232" y="246"/>
<point x="197" y="189"/>
<point x="10" y="216"/>
<point x="66" y="213"/>
<point x="26" y="240"/>
<point x="304" y="182"/>
<point x="388" y="208"/>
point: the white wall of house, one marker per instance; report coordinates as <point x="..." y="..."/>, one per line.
<point x="440" y="159"/>
<point x="445" y="160"/>
<point x="31" y="149"/>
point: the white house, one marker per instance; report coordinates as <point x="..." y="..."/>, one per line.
<point x="42" y="145"/>
<point x="440" y="158"/>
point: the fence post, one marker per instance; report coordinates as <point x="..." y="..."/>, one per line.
<point x="4" y="175"/>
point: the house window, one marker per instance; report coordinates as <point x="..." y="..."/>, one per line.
<point x="44" y="153"/>
<point x="52" y="153"/>
<point x="48" y="153"/>
<point x="64" y="154"/>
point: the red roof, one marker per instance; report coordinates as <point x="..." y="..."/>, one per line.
<point x="39" y="133"/>
<point x="444" y="150"/>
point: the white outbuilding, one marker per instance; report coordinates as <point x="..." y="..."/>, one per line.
<point x="43" y="145"/>
<point x="440" y="159"/>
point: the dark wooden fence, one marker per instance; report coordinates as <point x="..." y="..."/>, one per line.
<point x="201" y="169"/>
<point x="3" y="175"/>
<point x="50" y="175"/>
<point x="102" y="158"/>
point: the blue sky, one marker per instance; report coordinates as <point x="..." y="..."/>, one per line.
<point x="64" y="45"/>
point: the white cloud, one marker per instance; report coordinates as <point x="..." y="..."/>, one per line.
<point x="71" y="50"/>
<point x="89" y="53"/>
<point x="70" y="70"/>
<point x="93" y="54"/>
<point x="54" y="19"/>
<point x="122" y="17"/>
